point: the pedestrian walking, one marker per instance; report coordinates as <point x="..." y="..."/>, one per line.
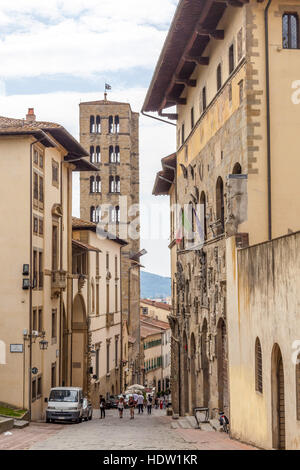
<point x="121" y="407"/>
<point x="164" y="403"/>
<point x="140" y="403"/>
<point x="102" y="407"/>
<point x="149" y="404"/>
<point x="161" y="404"/>
<point x="131" y="405"/>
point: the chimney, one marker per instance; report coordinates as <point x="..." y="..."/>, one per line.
<point x="30" y="117"/>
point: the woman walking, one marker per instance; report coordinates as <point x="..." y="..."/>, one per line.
<point x="121" y="407"/>
<point x="131" y="405"/>
<point x="102" y="407"/>
<point x="149" y="404"/>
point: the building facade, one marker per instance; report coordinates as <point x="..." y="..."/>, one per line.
<point x="264" y="347"/>
<point x="222" y="65"/>
<point x="98" y="336"/>
<point x="37" y="159"/>
<point x="155" y="310"/>
<point x="156" y="345"/>
<point x="109" y="131"/>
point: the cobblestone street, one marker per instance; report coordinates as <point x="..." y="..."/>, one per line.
<point x="144" y="432"/>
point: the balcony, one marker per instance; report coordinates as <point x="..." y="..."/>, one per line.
<point x="58" y="282"/>
<point x="109" y="320"/>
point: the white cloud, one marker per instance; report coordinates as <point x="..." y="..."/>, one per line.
<point x="81" y="37"/>
<point x="156" y="141"/>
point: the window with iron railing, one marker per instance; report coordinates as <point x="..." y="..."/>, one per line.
<point x="290" y="31"/>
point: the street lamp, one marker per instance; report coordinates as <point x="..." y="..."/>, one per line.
<point x="43" y="345"/>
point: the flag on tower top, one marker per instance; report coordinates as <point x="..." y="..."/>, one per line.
<point x="107" y="86"/>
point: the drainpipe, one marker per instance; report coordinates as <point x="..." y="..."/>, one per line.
<point x="61" y="268"/>
<point x="121" y="324"/>
<point x="30" y="278"/>
<point x="268" y="119"/>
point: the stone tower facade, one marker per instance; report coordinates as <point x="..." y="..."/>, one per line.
<point x="109" y="131"/>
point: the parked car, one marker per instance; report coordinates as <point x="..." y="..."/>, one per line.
<point x="87" y="410"/>
<point x="112" y="402"/>
<point x="65" y="404"/>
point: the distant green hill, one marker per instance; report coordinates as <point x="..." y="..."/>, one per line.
<point x="154" y="286"/>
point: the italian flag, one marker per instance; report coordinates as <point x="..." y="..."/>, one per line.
<point x="183" y="224"/>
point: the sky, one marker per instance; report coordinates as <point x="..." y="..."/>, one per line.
<point x="57" y="53"/>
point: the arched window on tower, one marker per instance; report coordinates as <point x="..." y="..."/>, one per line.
<point x="98" y="185"/>
<point x="237" y="169"/>
<point x="92" y="184"/>
<point x="111" y="154"/>
<point x="117" y="124"/>
<point x="220" y="209"/>
<point x="92" y="154"/>
<point x="117" y="184"/>
<point x="117" y="214"/>
<point x="98" y="214"/>
<point x="98" y="154"/>
<point x="93" y="214"/>
<point x="117" y="153"/>
<point x="92" y="124"/>
<point x="110" y="124"/>
<point x="112" y="184"/>
<point x="98" y="125"/>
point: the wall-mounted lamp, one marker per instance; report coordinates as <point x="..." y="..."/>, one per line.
<point x="26" y="284"/>
<point x="25" y="270"/>
<point x="43" y="345"/>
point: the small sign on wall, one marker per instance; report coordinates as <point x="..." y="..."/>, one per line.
<point x="16" y="348"/>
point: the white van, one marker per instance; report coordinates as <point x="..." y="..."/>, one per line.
<point x="65" y="403"/>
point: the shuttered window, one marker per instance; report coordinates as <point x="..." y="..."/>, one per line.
<point x="258" y="367"/>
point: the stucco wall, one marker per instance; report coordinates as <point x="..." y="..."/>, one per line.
<point x="262" y="301"/>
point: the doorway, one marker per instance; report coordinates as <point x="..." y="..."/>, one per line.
<point x="278" y="399"/>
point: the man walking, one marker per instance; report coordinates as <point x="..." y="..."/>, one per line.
<point x="102" y="407"/>
<point x="149" y="404"/>
<point x="140" y="402"/>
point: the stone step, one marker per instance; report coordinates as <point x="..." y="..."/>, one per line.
<point x="6" y="424"/>
<point x="174" y="425"/>
<point x="192" y="421"/>
<point x="20" y="424"/>
<point x="183" y="423"/>
<point x="215" y="424"/>
<point x="207" y="427"/>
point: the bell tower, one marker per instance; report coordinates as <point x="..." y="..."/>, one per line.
<point x="109" y="131"/>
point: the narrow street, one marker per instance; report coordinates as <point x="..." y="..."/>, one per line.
<point x="145" y="432"/>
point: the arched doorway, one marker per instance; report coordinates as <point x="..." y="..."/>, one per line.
<point x="205" y="366"/>
<point x="222" y="366"/>
<point x="185" y="375"/>
<point x="278" y="399"/>
<point x="193" y="372"/>
<point x="79" y="344"/>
